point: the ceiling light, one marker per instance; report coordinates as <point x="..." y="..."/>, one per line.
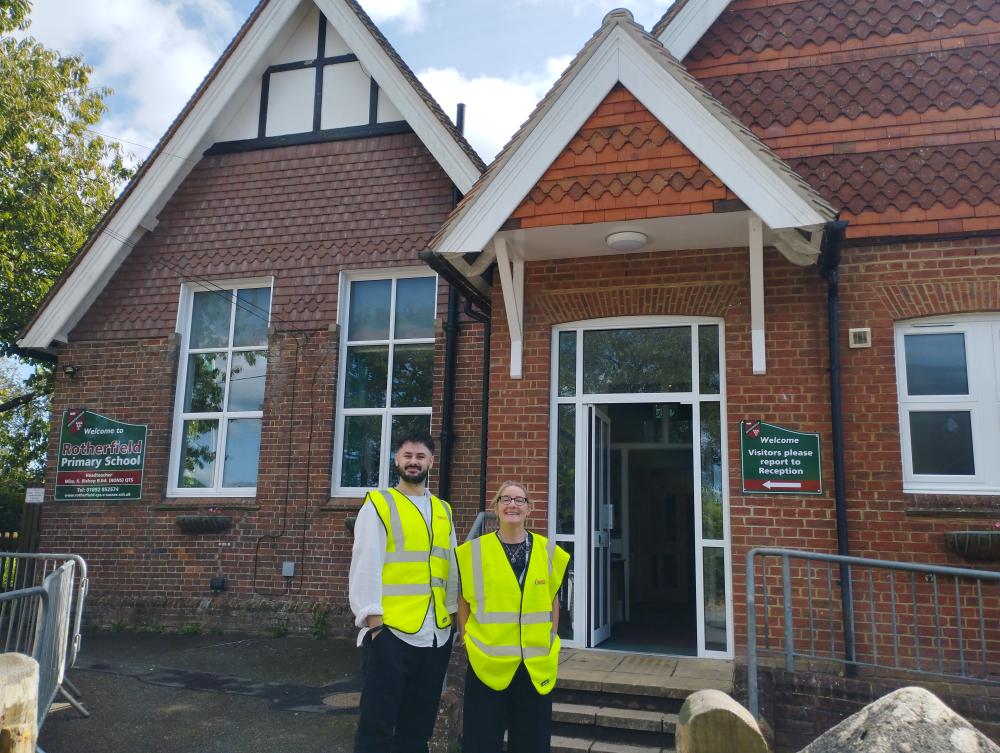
<point x="626" y="240"/>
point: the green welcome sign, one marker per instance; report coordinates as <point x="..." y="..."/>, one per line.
<point x="777" y="460"/>
<point x="99" y="458"/>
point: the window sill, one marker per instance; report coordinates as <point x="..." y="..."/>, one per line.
<point x="178" y="505"/>
<point x="954" y="505"/>
<point x="343" y="504"/>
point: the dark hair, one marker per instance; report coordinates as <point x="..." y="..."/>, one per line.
<point x="417" y="437"/>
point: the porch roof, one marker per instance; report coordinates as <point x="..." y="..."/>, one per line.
<point x="793" y="213"/>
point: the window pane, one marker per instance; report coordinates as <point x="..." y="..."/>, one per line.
<point x="368" y="318"/>
<point x="415" y="307"/>
<point x="206" y="383"/>
<point x="714" y="573"/>
<point x="366" y="375"/>
<point x="197" y="466"/>
<point x="362" y="439"/>
<point x="242" y="451"/>
<point x="567" y="364"/>
<point x="412" y="376"/>
<point x="246" y="380"/>
<point x="711" y="472"/>
<point x="210" y="319"/>
<point x="655" y="359"/>
<point x="402" y="425"/>
<point x="252" y="309"/>
<point x="708" y="359"/>
<point x="942" y="443"/>
<point x="566" y="469"/>
<point x="935" y="364"/>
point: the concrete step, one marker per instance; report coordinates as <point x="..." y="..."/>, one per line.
<point x="581" y="745"/>
<point x="613" y="725"/>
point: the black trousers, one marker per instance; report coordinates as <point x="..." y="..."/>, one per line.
<point x="520" y="709"/>
<point x="402" y="689"/>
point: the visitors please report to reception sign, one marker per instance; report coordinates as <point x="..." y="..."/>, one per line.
<point x="776" y="460"/>
<point x="99" y="458"/>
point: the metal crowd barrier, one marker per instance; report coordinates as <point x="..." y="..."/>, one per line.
<point x="872" y="614"/>
<point x="36" y="621"/>
<point x="20" y="571"/>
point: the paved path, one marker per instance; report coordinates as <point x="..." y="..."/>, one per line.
<point x="193" y="694"/>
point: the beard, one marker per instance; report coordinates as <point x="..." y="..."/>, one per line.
<point x="412" y="476"/>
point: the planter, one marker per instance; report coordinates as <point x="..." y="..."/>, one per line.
<point x="974" y="545"/>
<point x="204" y="523"/>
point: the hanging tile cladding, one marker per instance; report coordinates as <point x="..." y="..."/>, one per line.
<point x="622" y="164"/>
<point x="298" y="213"/>
<point x="762" y="26"/>
<point x="891" y="110"/>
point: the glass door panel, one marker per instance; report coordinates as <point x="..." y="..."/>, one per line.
<point x="600" y="521"/>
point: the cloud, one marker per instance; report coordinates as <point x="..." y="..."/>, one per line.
<point x="152" y="53"/>
<point x="410" y="13"/>
<point x="495" y="107"/>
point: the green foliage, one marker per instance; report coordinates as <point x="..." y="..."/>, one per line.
<point x="190" y="629"/>
<point x="56" y="176"/>
<point x="23" y="435"/>
<point x="278" y="631"/>
<point x="321" y="620"/>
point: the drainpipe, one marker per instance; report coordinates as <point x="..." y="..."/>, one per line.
<point x="447" y="436"/>
<point x="484" y="433"/>
<point x="833" y="240"/>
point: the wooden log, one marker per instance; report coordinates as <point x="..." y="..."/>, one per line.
<point x="18" y="703"/>
<point x="712" y="722"/>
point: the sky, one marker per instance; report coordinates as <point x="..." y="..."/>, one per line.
<point x="498" y="57"/>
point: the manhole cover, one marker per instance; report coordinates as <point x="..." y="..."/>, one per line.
<point x="343" y="700"/>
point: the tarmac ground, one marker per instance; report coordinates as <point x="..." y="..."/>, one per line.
<point x="157" y="693"/>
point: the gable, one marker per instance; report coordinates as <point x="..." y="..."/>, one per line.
<point x="223" y="106"/>
<point x="622" y="164"/>
<point x="314" y="84"/>
<point x="623" y="53"/>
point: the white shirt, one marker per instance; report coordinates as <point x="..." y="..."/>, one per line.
<point x="365" y="579"/>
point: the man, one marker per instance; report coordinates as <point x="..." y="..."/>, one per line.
<point x="404" y="595"/>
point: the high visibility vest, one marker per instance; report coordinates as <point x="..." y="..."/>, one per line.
<point x="417" y="559"/>
<point x="507" y="626"/>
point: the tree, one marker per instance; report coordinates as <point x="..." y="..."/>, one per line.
<point x="57" y="177"/>
<point x="23" y="434"/>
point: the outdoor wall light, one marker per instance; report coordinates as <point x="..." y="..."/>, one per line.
<point x="70" y="370"/>
<point x="626" y="240"/>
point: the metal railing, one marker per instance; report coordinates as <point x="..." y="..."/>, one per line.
<point x="24" y="570"/>
<point x="910" y="618"/>
<point x="36" y="621"/>
<point x="486" y="521"/>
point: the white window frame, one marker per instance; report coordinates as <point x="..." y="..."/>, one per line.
<point x="183" y="329"/>
<point x="580" y="538"/>
<point x="982" y="351"/>
<point x="343" y="312"/>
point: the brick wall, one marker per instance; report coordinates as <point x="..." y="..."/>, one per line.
<point x="879" y="285"/>
<point x="303" y="215"/>
<point x="799" y="707"/>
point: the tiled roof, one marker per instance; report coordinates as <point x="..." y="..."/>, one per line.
<point x="796" y="25"/>
<point x="889" y="108"/>
<point x="902" y="179"/>
<point x="902" y="83"/>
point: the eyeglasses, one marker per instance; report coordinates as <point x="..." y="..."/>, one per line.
<point x="519" y="501"/>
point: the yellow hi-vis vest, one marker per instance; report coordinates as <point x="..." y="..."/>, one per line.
<point x="507" y="625"/>
<point x="417" y="559"/>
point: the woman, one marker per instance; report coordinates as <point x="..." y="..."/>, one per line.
<point x="508" y="615"/>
